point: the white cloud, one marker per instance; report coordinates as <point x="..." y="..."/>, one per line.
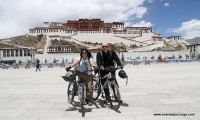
<point x="143" y="24"/>
<point x="18" y="16"/>
<point x="188" y="29"/>
<point x="166" y="4"/>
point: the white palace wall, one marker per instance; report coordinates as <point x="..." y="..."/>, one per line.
<point x="127" y="55"/>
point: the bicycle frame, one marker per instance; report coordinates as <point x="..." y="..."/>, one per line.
<point x="109" y="80"/>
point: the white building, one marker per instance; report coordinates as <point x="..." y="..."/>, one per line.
<point x="18" y="54"/>
<point x="54" y="49"/>
<point x="175" y="39"/>
<point x="194" y="50"/>
<point x="91" y="30"/>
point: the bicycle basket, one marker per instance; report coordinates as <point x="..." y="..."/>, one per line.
<point x="69" y="78"/>
<point x="81" y="69"/>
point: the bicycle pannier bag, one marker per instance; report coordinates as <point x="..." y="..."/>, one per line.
<point x="81" y="69"/>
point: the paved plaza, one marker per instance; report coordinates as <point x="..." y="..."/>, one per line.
<point x="154" y="92"/>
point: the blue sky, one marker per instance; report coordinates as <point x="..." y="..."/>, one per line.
<point x="170" y="14"/>
<point x="166" y="17"/>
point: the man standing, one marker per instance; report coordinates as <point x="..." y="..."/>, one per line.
<point x="106" y="58"/>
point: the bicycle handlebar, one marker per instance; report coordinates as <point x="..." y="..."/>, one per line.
<point x="110" y="68"/>
<point x="74" y="71"/>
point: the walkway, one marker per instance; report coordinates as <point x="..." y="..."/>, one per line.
<point x="152" y="90"/>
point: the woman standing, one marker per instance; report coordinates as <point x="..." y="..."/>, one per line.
<point x="85" y="59"/>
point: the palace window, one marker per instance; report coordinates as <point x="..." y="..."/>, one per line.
<point x="16" y="53"/>
<point x="29" y="53"/>
<point x="51" y="49"/>
<point x="58" y="48"/>
<point x="12" y="53"/>
<point x="8" y="53"/>
<point x="4" y="53"/>
<point x="25" y="52"/>
<point x="20" y="53"/>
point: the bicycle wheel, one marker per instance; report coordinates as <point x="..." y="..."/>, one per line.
<point x="96" y="89"/>
<point x="82" y="98"/>
<point x="71" y="92"/>
<point x="115" y="97"/>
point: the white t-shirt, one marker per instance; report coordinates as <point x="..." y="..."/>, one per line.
<point x="85" y="62"/>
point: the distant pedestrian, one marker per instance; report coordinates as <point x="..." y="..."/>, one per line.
<point x="38" y="65"/>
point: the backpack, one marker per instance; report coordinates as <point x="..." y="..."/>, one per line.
<point x="87" y="58"/>
<point x="109" y="51"/>
<point x="110" y="55"/>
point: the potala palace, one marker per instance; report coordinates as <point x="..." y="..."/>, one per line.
<point x="85" y="31"/>
<point x="56" y="37"/>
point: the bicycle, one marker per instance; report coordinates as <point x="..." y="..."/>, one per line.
<point x="114" y="96"/>
<point x="76" y="87"/>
